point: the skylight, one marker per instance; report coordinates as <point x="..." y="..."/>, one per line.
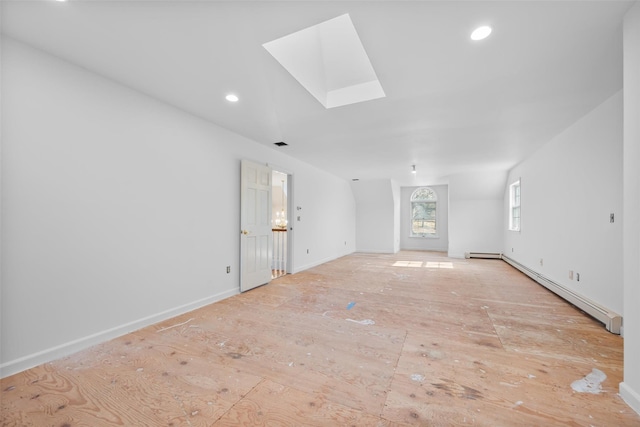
<point x="329" y="61"/>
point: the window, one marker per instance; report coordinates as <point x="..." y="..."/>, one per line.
<point x="514" y="206"/>
<point x="424" y="203"/>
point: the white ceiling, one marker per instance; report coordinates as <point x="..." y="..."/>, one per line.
<point x="452" y="105"/>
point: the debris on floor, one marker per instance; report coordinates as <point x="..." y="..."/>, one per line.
<point x="362" y="322"/>
<point x="592" y="383"/>
<point x="174" y="326"/>
<point x="417" y="377"/>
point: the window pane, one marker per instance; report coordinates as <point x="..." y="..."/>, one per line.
<point x="423" y="219"/>
<point x="423" y="194"/>
<point x="514" y="206"/>
<point x="423" y="227"/>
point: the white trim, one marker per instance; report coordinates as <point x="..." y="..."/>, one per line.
<point x="611" y="319"/>
<point x="26" y="362"/>
<point x="512" y="205"/>
<point x="631" y="397"/>
<point x="322" y="261"/>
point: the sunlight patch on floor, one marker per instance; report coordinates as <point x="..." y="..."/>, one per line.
<point x="439" y="265"/>
<point x="418" y="264"/>
<point x="414" y="264"/>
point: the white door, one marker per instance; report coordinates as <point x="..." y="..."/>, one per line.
<point x="255" y="223"/>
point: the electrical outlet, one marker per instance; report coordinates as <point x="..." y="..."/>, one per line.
<point x="228" y="269"/>
<point x="570" y="274"/>
<point x="611" y="217"/>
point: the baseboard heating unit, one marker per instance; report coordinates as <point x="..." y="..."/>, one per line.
<point x="611" y="320"/>
<point x="483" y="255"/>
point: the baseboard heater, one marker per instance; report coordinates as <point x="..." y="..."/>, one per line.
<point x="483" y="255"/>
<point x="612" y="321"/>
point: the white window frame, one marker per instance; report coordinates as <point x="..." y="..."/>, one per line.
<point x="435" y="202"/>
<point x="515" y="206"/>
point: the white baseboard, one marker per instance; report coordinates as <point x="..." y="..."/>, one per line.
<point x="14" y="366"/>
<point x="630" y="396"/>
<point x="316" y="263"/>
<point x="609" y="318"/>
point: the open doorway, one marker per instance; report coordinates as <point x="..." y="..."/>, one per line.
<point x="280" y="223"/>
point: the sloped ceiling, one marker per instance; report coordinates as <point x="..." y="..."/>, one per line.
<point x="452" y="105"/>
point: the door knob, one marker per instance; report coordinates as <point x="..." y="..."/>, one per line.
<point x="245" y="232"/>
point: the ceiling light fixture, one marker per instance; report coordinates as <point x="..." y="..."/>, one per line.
<point x="231" y="98"/>
<point x="413" y="169"/>
<point x="481" y="33"/>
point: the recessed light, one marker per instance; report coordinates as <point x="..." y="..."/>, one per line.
<point x="481" y="33"/>
<point x="231" y="98"/>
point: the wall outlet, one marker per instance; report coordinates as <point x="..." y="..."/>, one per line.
<point x="570" y="274"/>
<point x="228" y="269"/>
<point x="611" y="217"/>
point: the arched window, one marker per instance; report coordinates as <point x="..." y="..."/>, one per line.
<point x="424" y="205"/>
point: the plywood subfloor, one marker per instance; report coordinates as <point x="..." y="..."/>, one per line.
<point x="367" y="340"/>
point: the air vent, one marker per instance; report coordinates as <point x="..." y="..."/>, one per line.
<point x="281" y="144"/>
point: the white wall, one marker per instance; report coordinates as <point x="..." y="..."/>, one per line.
<point x="475" y="212"/>
<point x="375" y="216"/>
<point x="568" y="189"/>
<point x="630" y="388"/>
<point x="440" y="243"/>
<point x="397" y="209"/>
<point x="119" y="211"/>
<point x="325" y="226"/>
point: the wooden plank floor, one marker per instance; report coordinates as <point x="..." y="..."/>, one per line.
<point x="429" y="341"/>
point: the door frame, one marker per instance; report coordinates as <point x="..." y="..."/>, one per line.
<point x="290" y="214"/>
